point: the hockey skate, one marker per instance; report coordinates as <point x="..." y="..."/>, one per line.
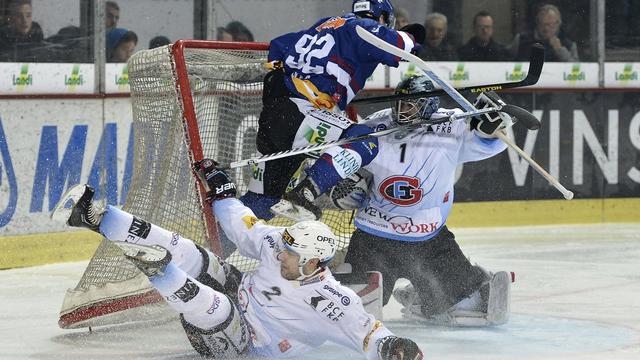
<point x="76" y="208"/>
<point x="298" y="204"/>
<point x="151" y="260"/>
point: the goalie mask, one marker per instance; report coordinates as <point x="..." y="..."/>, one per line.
<point x="309" y="240"/>
<point x="412" y="110"/>
<point x="373" y="9"/>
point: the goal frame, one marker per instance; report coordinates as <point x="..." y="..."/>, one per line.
<point x="111" y="307"/>
<point x="190" y="122"/>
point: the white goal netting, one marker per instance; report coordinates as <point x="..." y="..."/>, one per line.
<point x="211" y="112"/>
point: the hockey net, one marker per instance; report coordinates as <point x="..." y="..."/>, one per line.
<point x="191" y="100"/>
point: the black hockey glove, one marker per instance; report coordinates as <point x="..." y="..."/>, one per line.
<point x="397" y="348"/>
<point x="487" y="124"/>
<point x="418" y="33"/>
<point x="217" y="181"/>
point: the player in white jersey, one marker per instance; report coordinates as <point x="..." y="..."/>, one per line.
<point x="287" y="306"/>
<point x="400" y="228"/>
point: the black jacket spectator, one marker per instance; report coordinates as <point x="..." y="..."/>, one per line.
<point x="472" y="51"/>
<point x="20" y="47"/>
<point x="527" y="39"/>
<point x="442" y="52"/>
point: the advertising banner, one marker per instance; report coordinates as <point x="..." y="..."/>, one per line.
<point x="40" y="78"/>
<point x="463" y="74"/>
<point x="48" y="145"/>
<point x="621" y="75"/>
<point x="589" y="141"/>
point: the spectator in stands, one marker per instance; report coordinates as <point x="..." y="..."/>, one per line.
<point x="21" y="34"/>
<point x="402" y="18"/>
<point x="112" y="14"/>
<point x="159" y="41"/>
<point x="482" y="47"/>
<point x="239" y="32"/>
<point x="120" y="44"/>
<point x="558" y="47"/>
<point x="72" y="45"/>
<point x="436" y="46"/>
<point x="223" y="35"/>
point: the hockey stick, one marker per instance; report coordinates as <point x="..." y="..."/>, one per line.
<point x="455" y="95"/>
<point x="536" y="61"/>
<point x="328" y="144"/>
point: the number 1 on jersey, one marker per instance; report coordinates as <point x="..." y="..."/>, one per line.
<point x="403" y="150"/>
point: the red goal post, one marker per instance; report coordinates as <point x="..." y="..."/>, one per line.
<point x="191" y="99"/>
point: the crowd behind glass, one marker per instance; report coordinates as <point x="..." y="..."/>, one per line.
<point x="22" y="38"/>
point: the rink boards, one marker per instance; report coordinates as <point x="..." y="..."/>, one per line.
<point x="589" y="140"/>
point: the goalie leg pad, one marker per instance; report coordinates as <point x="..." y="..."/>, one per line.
<point x="368" y="287"/>
<point x="489" y="306"/>
<point x="229" y="340"/>
<point x="499" y="298"/>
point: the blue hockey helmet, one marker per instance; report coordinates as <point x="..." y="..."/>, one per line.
<point x="374" y="9"/>
<point x="411" y="110"/>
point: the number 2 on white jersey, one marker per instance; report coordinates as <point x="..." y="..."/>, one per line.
<point x="310" y="47"/>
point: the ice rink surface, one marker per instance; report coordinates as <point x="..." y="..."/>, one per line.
<point x="576" y="296"/>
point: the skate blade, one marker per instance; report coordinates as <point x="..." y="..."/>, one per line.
<point x="286" y="209"/>
<point x="63" y="208"/>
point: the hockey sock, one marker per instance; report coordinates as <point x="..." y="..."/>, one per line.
<point x="118" y="225"/>
<point x="260" y="204"/>
<point x="200" y="305"/>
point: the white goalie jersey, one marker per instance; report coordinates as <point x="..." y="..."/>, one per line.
<point x="287" y="318"/>
<point x="411" y="193"/>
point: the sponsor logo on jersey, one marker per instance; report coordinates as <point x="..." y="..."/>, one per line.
<point x="446" y="197"/>
<point x="325" y="306"/>
<point x="331" y="118"/>
<point x="249" y="221"/>
<point x="344" y="299"/>
<point x="333" y="23"/>
<point x="284" y="345"/>
<point x="401" y="190"/>
<point x="138" y="229"/>
<point x="318" y="135"/>
<point x="312" y="280"/>
<point x="188" y="291"/>
<point x="411" y="228"/>
<point x="345" y="161"/>
<point x="272" y="243"/>
<point x="174" y="239"/>
<point x="214" y="305"/>
<point x="400" y="224"/>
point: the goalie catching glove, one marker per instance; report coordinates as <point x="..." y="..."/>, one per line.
<point x="397" y="348"/>
<point x="215" y="180"/>
<point x="351" y="193"/>
<point x="487" y="124"/>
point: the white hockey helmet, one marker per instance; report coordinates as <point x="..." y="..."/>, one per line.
<point x="310" y="239"/>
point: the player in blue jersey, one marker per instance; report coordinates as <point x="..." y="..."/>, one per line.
<point x="401" y="224"/>
<point x="315" y="74"/>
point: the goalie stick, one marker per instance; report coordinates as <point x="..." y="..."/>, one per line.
<point x="455" y="95"/>
<point x="509" y="109"/>
<point x="536" y="61"/>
